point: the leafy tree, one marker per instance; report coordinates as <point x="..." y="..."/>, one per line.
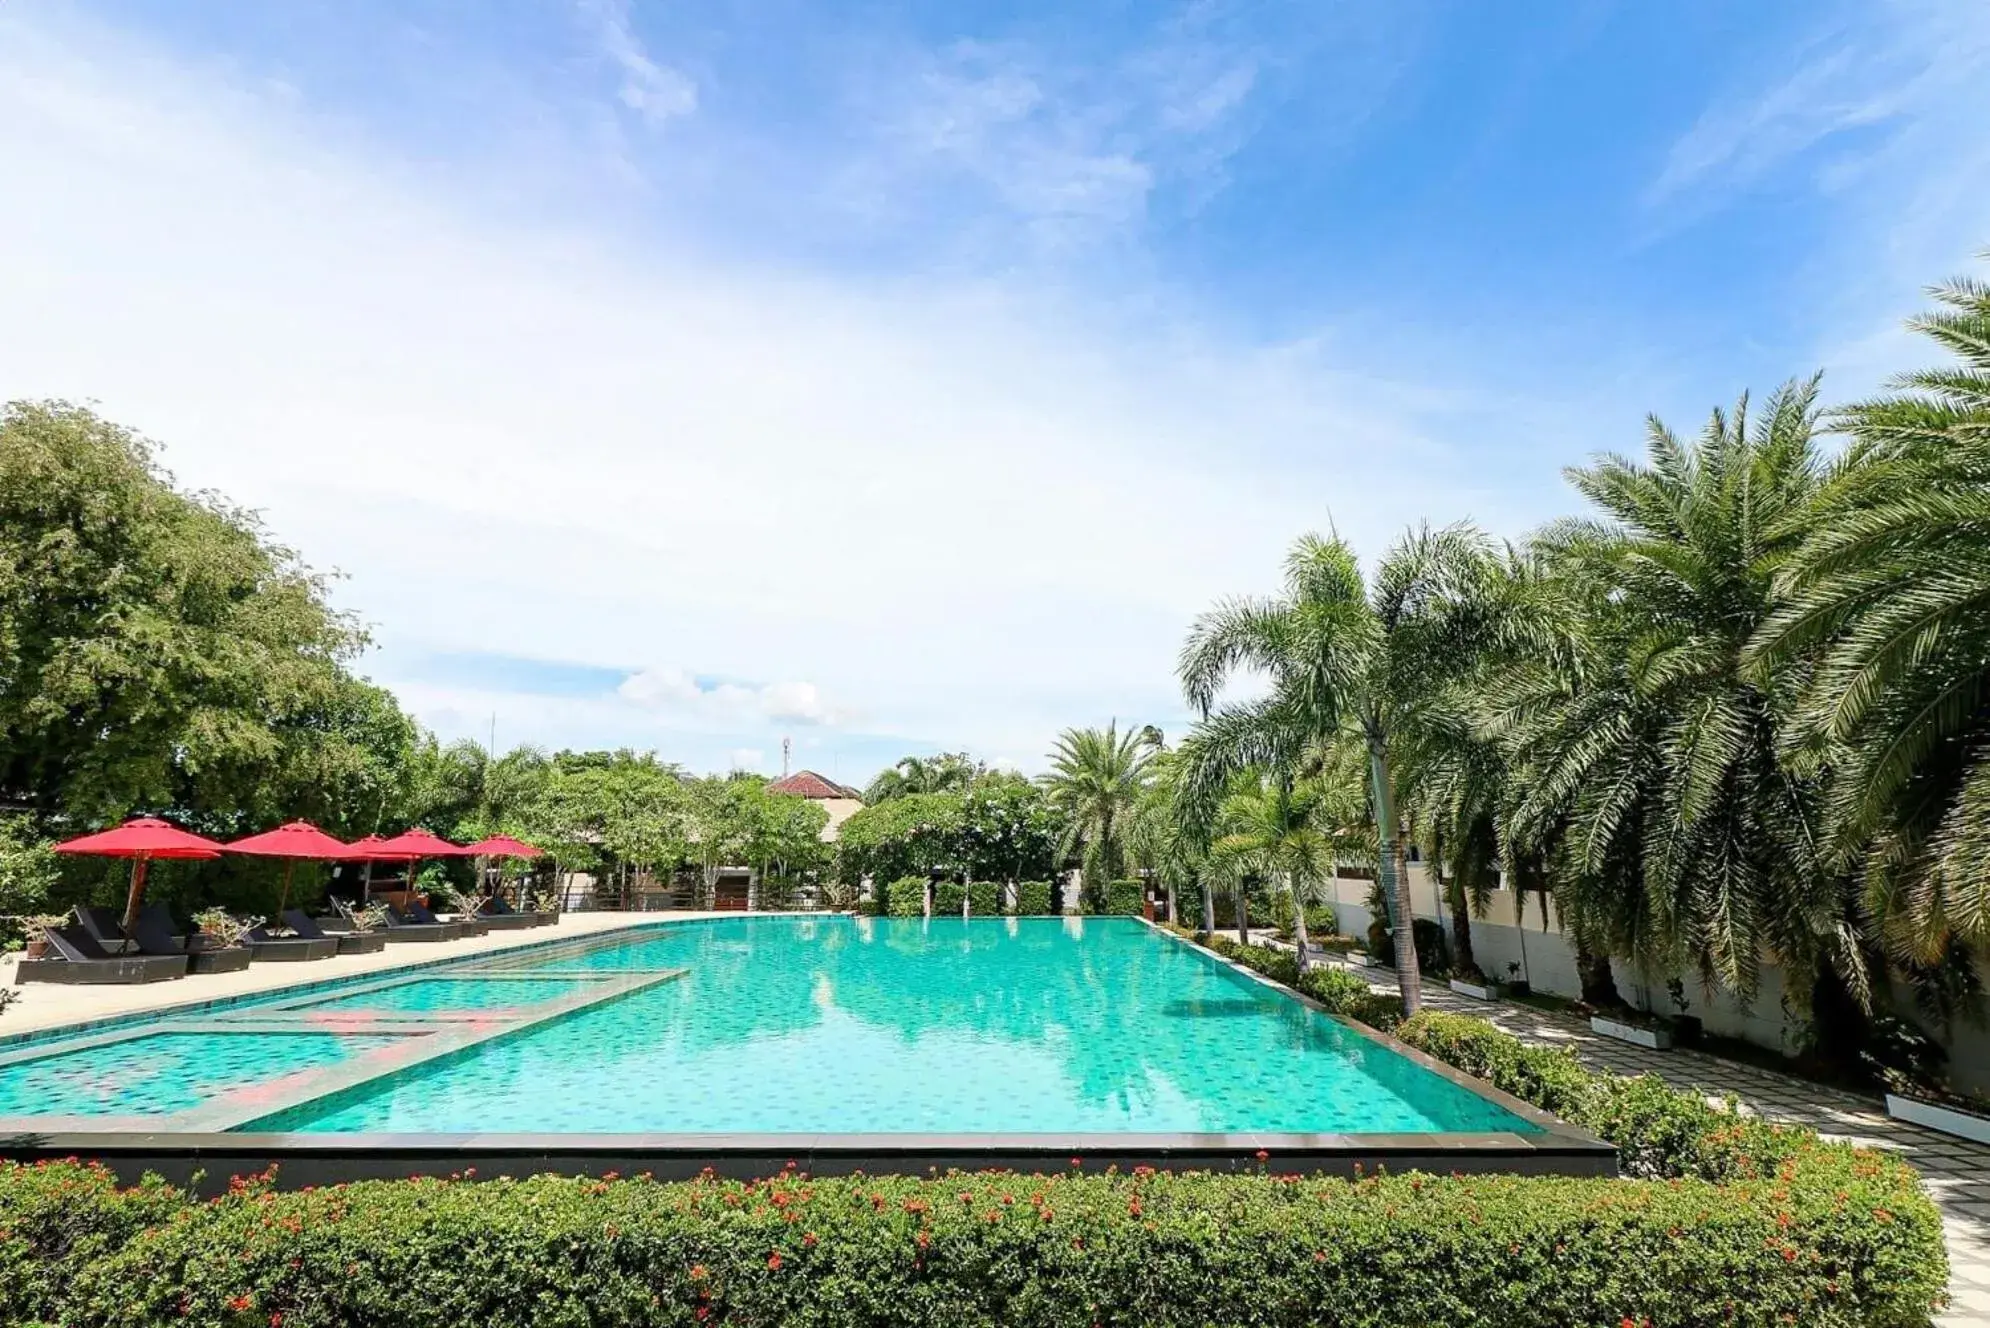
<point x="1009" y="831"/>
<point x="158" y="651"/>
<point x="1885" y="625"/>
<point x="910" y="836"/>
<point x="1095" y="781"/>
<point x="1346" y="661"/>
<point x="949" y="772"/>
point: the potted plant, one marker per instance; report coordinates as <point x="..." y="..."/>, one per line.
<point x="1471" y="982"/>
<point x="1640" y="1028"/>
<point x="1938" y="1107"/>
<point x="218" y="929"/>
<point x="35" y="927"/>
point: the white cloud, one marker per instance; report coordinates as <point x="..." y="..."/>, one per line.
<point x="667" y="689"/>
<point x="971" y="511"/>
<point x="653" y="91"/>
<point x="748" y="758"/>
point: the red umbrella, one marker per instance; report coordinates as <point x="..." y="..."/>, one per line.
<point x="504" y="846"/>
<point x="298" y="839"/>
<point x="410" y="845"/>
<point x="141" y="839"/>
<point x="418" y="843"/>
<point x="368" y="851"/>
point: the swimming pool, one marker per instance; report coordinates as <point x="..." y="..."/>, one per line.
<point x="799" y="1033"/>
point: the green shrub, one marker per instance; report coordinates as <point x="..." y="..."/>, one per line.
<point x="906" y="897"/>
<point x="985" y="898"/>
<point x="947" y="897"/>
<point x="1350" y="996"/>
<point x="1033" y="898"/>
<point x="1125" y="899"/>
<point x="866" y="908"/>
<point x="1852" y="1245"/>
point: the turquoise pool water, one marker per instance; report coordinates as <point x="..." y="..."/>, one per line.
<point x="861" y="1025"/>
<point x="442" y="995"/>
<point x="161" y="1073"/>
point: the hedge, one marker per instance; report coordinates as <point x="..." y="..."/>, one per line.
<point x="1125" y="899"/>
<point x="1836" y="1237"/>
<point x="1033" y="898"/>
<point x="985" y="898"/>
<point x="906" y="897"/>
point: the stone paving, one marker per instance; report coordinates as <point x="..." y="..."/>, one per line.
<point x="1956" y="1171"/>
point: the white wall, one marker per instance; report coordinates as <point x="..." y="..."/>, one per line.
<point x="1548" y="963"/>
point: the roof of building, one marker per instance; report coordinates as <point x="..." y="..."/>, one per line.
<point x="808" y="784"/>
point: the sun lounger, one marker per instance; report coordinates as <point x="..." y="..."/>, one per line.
<point x="495" y="908"/>
<point x="493" y="914"/>
<point x="268" y="946"/>
<point x="348" y="942"/>
<point x="417" y="911"/>
<point x="77" y="957"/>
<point x="400" y="927"/>
<point x="153" y="935"/>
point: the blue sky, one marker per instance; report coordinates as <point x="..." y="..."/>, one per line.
<point x="896" y="377"/>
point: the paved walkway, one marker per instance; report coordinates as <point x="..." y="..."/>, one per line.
<point x="41" y="1005"/>
<point x="1956" y="1171"/>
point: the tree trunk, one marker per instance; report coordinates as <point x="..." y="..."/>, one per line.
<point x="1599" y="985"/>
<point x="1461" y="926"/>
<point x="1208" y="910"/>
<point x="1243" y="918"/>
<point x="1173" y="917"/>
<point x="1392" y="872"/>
<point x="1298" y="918"/>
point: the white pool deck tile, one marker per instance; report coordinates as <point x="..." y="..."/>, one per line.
<point x="40" y="1005"/>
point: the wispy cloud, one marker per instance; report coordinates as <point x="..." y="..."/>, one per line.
<point x="654" y="92"/>
<point x="1870" y="72"/>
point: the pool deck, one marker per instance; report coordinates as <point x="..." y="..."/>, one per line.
<point x="39" y="1006"/>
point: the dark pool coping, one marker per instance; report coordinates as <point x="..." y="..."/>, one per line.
<point x="1555" y="1148"/>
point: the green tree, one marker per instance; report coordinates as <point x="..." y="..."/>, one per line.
<point x="1346" y="661"/>
<point x="1645" y="750"/>
<point x="915" y="835"/>
<point x="1095" y="781"/>
<point x="1008" y="830"/>
<point x="159" y="651"/>
<point x="949" y="772"/>
<point x="1270" y="831"/>
<point x="1885" y="623"/>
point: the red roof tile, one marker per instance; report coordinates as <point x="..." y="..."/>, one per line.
<point x="808" y="784"/>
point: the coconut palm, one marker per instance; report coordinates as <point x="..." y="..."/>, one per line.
<point x="1888" y="621"/>
<point x="1645" y="751"/>
<point x="1096" y="780"/>
<point x="1344" y="660"/>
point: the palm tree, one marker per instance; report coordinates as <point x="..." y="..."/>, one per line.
<point x="949" y="772"/>
<point x="1271" y="831"/>
<point x="1096" y="780"/>
<point x="1644" y="750"/>
<point x="1888" y="620"/>
<point x="1343" y="658"/>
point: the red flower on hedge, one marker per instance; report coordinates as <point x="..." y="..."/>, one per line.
<point x="774" y="1261"/>
<point x="241" y="1302"/>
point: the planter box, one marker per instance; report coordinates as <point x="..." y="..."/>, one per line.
<point x="1948" y="1120"/>
<point x="1655" y="1039"/>
<point x="1362" y="959"/>
<point x="1479" y="991"/>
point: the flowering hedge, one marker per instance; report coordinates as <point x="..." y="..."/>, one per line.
<point x="1848" y="1243"/>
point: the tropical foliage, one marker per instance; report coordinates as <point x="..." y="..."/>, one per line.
<point x="1096" y="780"/>
<point x="1736" y="713"/>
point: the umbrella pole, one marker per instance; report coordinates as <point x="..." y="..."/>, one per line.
<point x="283" y="900"/>
<point x="138" y="866"/>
